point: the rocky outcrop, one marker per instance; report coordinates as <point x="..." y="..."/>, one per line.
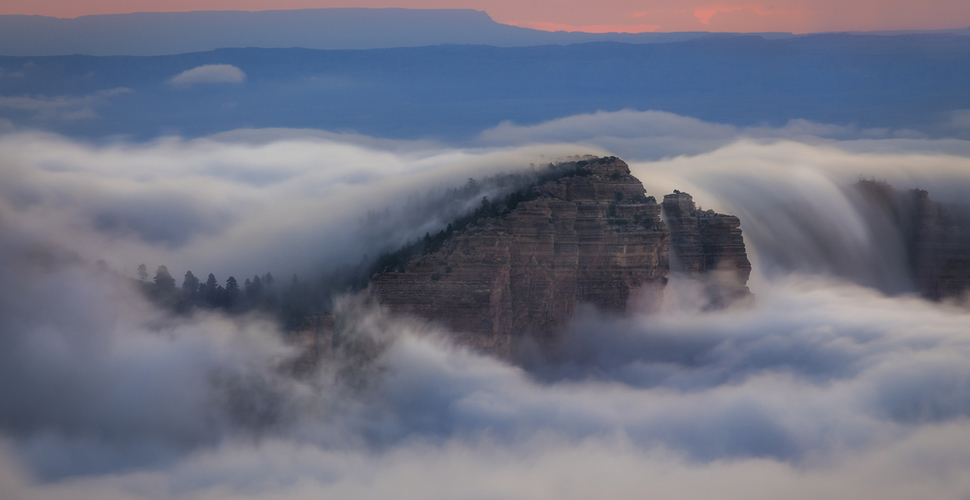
<point x="591" y="237"/>
<point x="707" y="245"/>
<point x="313" y="341"/>
<point x="936" y="237"/>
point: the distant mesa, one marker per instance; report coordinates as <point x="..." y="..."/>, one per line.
<point x="167" y="33"/>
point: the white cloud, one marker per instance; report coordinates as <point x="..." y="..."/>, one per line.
<point x="642" y="135"/>
<point x="7" y="74"/>
<point x="210" y="73"/>
<point x="62" y="107"/>
<point x="262" y="193"/>
<point x="960" y="118"/>
<point x="823" y="389"/>
<point x="274" y="201"/>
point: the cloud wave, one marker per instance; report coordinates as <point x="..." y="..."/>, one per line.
<point x="825" y="387"/>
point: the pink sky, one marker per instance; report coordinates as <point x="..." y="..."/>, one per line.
<point x="798" y="16"/>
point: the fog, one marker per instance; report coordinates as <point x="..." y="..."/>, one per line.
<point x="838" y="382"/>
<point x="236" y="203"/>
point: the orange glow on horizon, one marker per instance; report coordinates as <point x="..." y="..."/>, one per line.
<point x="705" y="13"/>
<point x="591" y="28"/>
<point x="625" y="16"/>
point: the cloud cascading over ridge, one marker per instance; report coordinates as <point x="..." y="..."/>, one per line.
<point x="825" y="388"/>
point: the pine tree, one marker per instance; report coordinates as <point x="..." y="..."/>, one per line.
<point x="212" y="296"/>
<point x="164" y="282"/>
<point x="269" y="299"/>
<point x="232" y="292"/>
<point x="162" y="288"/>
<point x="190" y="287"/>
<point x="257" y="289"/>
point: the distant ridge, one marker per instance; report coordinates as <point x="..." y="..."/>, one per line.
<point x="166" y="33"/>
<point x="454" y="92"/>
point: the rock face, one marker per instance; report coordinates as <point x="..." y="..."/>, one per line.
<point x="592" y="237"/>
<point x="314" y="341"/>
<point x="936" y="237"/>
<point x="709" y="245"/>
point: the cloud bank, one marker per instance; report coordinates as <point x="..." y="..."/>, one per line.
<point x="210" y="73"/>
<point x="636" y="134"/>
<point x="61" y="107"/>
<point x="826" y="387"/>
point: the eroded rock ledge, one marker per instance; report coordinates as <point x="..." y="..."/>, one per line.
<point x="592" y="236"/>
<point x="709" y="247"/>
<point x="936" y="237"/>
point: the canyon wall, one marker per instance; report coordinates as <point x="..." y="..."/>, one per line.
<point x="936" y="237"/>
<point x="707" y="246"/>
<point x="313" y="341"/>
<point x="591" y="237"/>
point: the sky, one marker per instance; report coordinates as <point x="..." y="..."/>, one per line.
<point x="797" y="16"/>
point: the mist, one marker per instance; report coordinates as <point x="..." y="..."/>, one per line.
<point x="839" y="381"/>
<point x="232" y="205"/>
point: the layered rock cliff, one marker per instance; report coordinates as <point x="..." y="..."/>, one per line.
<point x="708" y="245"/>
<point x="588" y="237"/>
<point x="314" y="341"/>
<point x="936" y="237"/>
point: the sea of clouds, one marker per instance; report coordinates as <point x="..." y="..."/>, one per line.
<point x="839" y="382"/>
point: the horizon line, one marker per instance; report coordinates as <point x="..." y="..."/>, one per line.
<point x="528" y="25"/>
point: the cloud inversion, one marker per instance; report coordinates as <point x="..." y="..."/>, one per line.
<point x="827" y="387"/>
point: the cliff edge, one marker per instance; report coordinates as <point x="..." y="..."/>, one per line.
<point x="591" y="236"/>
<point x="708" y="246"/>
<point x="936" y="237"/>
